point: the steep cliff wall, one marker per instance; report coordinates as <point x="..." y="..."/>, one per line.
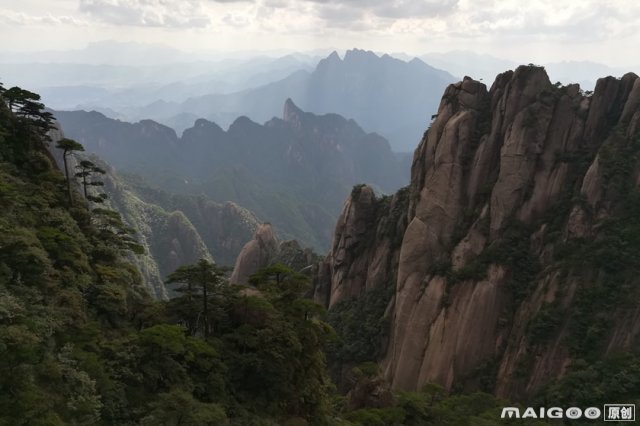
<point x="517" y="257"/>
<point x="365" y="249"/>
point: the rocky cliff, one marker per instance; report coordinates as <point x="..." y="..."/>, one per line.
<point x="366" y="246"/>
<point x="266" y="249"/>
<point x="518" y="254"/>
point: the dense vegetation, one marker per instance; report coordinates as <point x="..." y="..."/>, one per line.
<point x="361" y="327"/>
<point x="81" y="342"/>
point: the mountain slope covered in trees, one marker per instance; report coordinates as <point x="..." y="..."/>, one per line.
<point x="82" y="342"/>
<point x="177" y="229"/>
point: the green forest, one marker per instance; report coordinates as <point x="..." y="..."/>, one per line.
<point x="83" y="343"/>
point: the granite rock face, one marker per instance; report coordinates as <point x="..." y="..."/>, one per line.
<point x="266" y="249"/>
<point x="256" y="254"/>
<point x="364" y="254"/>
<point x="507" y="184"/>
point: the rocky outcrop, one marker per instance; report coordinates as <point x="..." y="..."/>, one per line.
<point x="518" y="194"/>
<point x="256" y="254"/>
<point x="265" y="249"/>
<point x="364" y="254"/>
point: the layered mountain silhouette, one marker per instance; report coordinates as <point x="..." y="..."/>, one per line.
<point x="389" y="96"/>
<point x="294" y="172"/>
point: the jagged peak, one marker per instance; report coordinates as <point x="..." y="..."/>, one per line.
<point x="332" y="60"/>
<point x="291" y="111"/>
<point x="356" y="54"/>
<point x="148" y="124"/>
<point x="524" y="75"/>
<point x="363" y="191"/>
<point x="515" y="155"/>
<point x="94" y="113"/>
<point x="529" y="71"/>
<point x="333" y="57"/>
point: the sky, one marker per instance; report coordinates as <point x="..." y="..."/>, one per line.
<point x="537" y="31"/>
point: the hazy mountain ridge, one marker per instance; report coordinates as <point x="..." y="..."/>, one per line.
<point x="83" y="342"/>
<point x="79" y="82"/>
<point x="170" y="240"/>
<point x="383" y="94"/>
<point x="294" y="172"/>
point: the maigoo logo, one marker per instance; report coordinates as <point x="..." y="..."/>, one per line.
<point x="612" y="412"/>
<point x="573" y="413"/>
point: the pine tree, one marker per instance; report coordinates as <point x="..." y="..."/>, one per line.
<point x="88" y="169"/>
<point x="68" y="146"/>
<point x="203" y="280"/>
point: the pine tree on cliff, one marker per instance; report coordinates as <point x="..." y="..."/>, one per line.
<point x="17" y="97"/>
<point x="27" y="107"/>
<point x="201" y="280"/>
<point x="68" y="146"/>
<point x="88" y="169"/>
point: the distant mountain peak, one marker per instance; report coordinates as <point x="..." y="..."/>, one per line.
<point x="334" y="57"/>
<point x="291" y="111"/>
<point x="204" y="124"/>
<point x="242" y="122"/>
<point x="355" y="54"/>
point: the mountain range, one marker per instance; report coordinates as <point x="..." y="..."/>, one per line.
<point x="389" y="96"/>
<point x="294" y="172"/>
<point x="120" y="87"/>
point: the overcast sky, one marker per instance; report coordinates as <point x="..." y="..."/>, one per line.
<point x="521" y="30"/>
